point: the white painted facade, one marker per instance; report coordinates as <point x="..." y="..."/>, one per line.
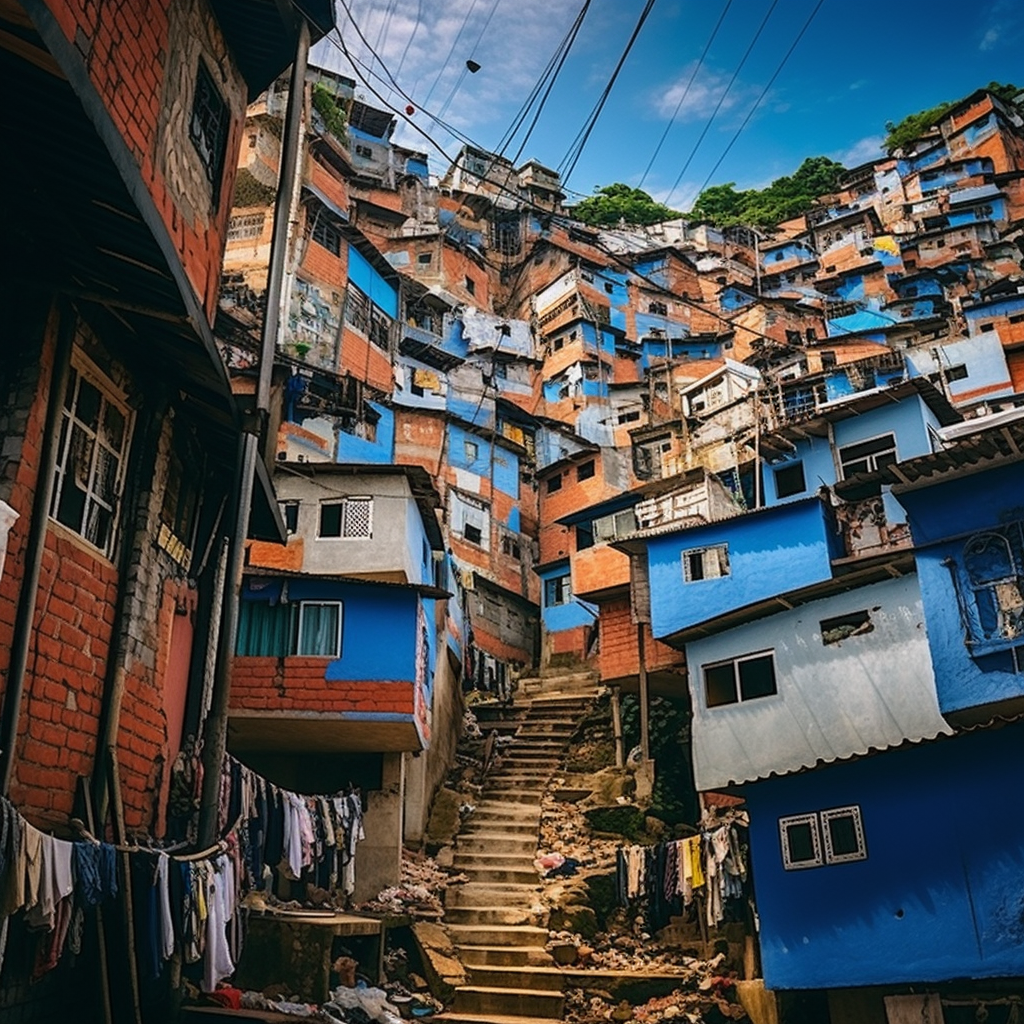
<point x="872" y="690"/>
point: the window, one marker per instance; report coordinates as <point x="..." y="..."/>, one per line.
<point x="841" y="627"/>
<point x="789" y="480"/>
<point x="740" y="679"/>
<point x="658" y="308"/>
<point x="290" y="514"/>
<point x="471" y="450"/>
<point x="472" y="533"/>
<point x="801" y="844"/>
<point x="554" y="483"/>
<point x="91" y="454"/>
<point x="558" y="590"/>
<point x="510" y="546"/>
<point x="835" y="836"/>
<point x="617" y="525"/>
<point x="307" y="628"/>
<point x="957" y="373"/>
<point x="584" y="536"/>
<point x="326" y="234"/>
<point x="364" y="151"/>
<point x="628" y="417"/>
<point x="471" y="286"/>
<point x="585" y="471"/>
<point x="319" y="629"/>
<point x="828" y="360"/>
<point x="351" y="517"/>
<point x="245" y="225"/>
<point x="867" y="456"/>
<point x="208" y="128"/>
<point x="609" y="287"/>
<point x="990" y="326"/>
<point x="424" y="258"/>
<point x="992" y="564"/>
<point x="709" y="563"/>
<point x="1017" y="318"/>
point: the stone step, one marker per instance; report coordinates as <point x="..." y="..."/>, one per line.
<point x="494" y="859"/>
<point x="494" y="915"/>
<point x="525" y="976"/>
<point x="508" y="1001"/>
<point x="504" y="825"/>
<point x="515" y="796"/>
<point x="505" y="956"/>
<point x="495" y="842"/>
<point x="487" y="1018"/>
<point x="491" y="894"/>
<point x="493" y="935"/>
<point x="524" y="875"/>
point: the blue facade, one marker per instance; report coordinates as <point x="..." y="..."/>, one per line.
<point x="817" y="465"/>
<point x="1009" y="306"/>
<point x="972" y="652"/>
<point x="774" y="550"/>
<point x="368" y="280"/>
<point x="558" y="614"/>
<point x="380" y="451"/>
<point x="791" y="250"/>
<point x="476" y="454"/>
<point x="939" y="893"/>
<point x="731" y="298"/>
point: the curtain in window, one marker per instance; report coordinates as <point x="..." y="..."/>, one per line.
<point x="320" y="629"/>
<point x="266" y="630"/>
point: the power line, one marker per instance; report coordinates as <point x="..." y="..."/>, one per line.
<point x="570" y="38"/>
<point x="686" y="92"/>
<point x="606" y="92"/>
<point x="412" y="36"/>
<point x="721" y="99"/>
<point x="462" y="28"/>
<point x="764" y="92"/>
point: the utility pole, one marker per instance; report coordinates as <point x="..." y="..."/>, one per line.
<point x="216" y="729"/>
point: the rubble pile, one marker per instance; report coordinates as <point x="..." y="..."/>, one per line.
<point x="420" y="893"/>
<point x="711" y="1000"/>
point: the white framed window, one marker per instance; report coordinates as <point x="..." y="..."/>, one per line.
<point x="319" y="634"/>
<point x="351" y="517"/>
<point x="801" y="843"/>
<point x="833" y="836"/>
<point x="842" y="831"/>
<point x="740" y="679"/>
<point x="867" y="456"/>
<point x="710" y="563"/>
<point x="92" y="454"/>
<point x="557" y="590"/>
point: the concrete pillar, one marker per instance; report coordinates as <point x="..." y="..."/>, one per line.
<point x="379" y="855"/>
<point x="417" y="797"/>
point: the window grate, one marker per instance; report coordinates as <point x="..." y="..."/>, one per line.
<point x="208" y="128"/>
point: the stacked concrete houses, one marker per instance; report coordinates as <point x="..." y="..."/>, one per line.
<point x="705" y="461"/>
<point x="725" y="467"/>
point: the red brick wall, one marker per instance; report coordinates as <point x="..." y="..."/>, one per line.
<point x="619" y="652"/>
<point x="127" y="51"/>
<point x="298" y="684"/>
<point x="364" y="361"/>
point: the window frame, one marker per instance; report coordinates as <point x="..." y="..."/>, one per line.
<point x="788" y="467"/>
<point x="735" y="662"/>
<point x="209" y="125"/>
<point x="340" y="605"/>
<point x="851" y="811"/>
<point x="871" y="458"/>
<point x="558" y="590"/>
<point x="109" y="394"/>
<point x="344" y="502"/>
<point x="687" y="554"/>
<point x="800" y="819"/>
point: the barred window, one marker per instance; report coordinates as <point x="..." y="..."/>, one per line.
<point x="91" y="455"/>
<point x="246" y="225"/>
<point x="708" y="563"/>
<point x="350" y="517"/>
<point x="208" y="127"/>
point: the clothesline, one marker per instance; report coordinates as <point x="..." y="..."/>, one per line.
<point x="220" y="846"/>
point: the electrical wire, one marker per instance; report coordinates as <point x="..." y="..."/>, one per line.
<point x="764" y="92"/>
<point x="721" y="99"/>
<point x="541" y="211"/>
<point x="576" y="150"/>
<point x="412" y="36"/>
<point x="444" y="65"/>
<point x="570" y="38"/>
<point x="686" y="92"/>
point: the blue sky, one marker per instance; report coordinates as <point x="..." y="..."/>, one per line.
<point x="855" y="67"/>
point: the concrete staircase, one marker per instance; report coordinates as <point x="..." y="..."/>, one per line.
<point x="495" y="919"/>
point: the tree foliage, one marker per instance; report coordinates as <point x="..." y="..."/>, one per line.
<point x="784" y="198"/>
<point x="900" y="134"/>
<point x="618" y="202"/>
<point x="331" y="109"/>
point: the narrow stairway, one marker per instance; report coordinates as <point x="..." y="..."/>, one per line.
<point x="495" y="919"/>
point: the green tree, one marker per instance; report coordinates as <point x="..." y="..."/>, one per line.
<point x="784" y="198"/>
<point x="618" y="202"/>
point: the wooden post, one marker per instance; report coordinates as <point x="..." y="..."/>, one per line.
<point x="620" y="755"/>
<point x="645" y="709"/>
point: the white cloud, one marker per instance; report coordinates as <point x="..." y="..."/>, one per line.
<point x="863" y="150"/>
<point x="1003" y="25"/>
<point x="696" y="101"/>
